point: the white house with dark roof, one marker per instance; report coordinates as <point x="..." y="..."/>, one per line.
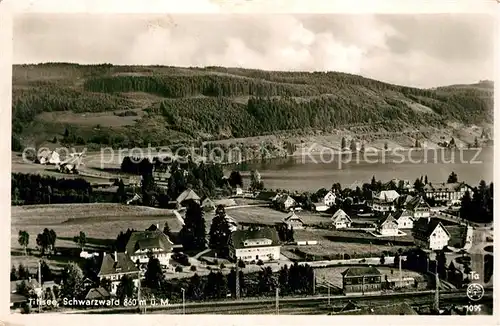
<point x="329" y="199"/>
<point x="259" y="243"/>
<point x="115" y="266"/>
<point x="285" y="203"/>
<point x="143" y="244"/>
<point x="419" y="208"/>
<point x="404" y="219"/>
<point x="387" y="226"/>
<point x="446" y="192"/>
<point x="341" y="220"/>
<point x="431" y="234"/>
<point x="293" y="221"/>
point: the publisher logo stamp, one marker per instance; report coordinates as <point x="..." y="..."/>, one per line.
<point x="475" y="291"/>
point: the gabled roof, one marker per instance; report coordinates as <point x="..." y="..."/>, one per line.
<point x="123" y="264"/>
<point x="389" y="218"/>
<point x="283" y="199"/>
<point x="207" y="202"/>
<point x="340" y="214"/>
<point x="330" y="193"/>
<point x="416" y="202"/>
<point x="425" y="227"/>
<point x="238" y="237"/>
<point x="145" y="240"/>
<point x="447" y="187"/>
<point x="97" y="293"/>
<point x="187" y="194"/>
<point x="292" y="217"/>
<point x="387" y="195"/>
<point x="361" y="271"/>
<point x="403" y="200"/>
<point x="401" y="213"/>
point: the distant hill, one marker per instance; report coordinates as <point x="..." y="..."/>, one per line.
<point x="135" y="105"/>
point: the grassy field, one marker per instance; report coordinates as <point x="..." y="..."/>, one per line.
<point x="100" y="222"/>
<point x="267" y="215"/>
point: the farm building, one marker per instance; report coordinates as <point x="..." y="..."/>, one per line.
<point x="361" y="279"/>
<point x="404" y="219"/>
<point x="293" y="221"/>
<point x="285" y="203"/>
<point x="145" y="243"/>
<point x="418" y="207"/>
<point x="387" y="226"/>
<point x="114" y="267"/>
<point x="320" y="207"/>
<point x="341" y="220"/>
<point x="207" y="204"/>
<point x="384" y="201"/>
<point x="186" y="196"/>
<point x="430" y="233"/>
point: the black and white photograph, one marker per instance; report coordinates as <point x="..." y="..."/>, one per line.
<point x="252" y="164"/>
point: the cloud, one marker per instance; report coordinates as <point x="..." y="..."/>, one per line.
<point x="408" y="50"/>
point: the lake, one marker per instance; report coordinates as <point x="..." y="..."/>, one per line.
<point x="310" y="173"/>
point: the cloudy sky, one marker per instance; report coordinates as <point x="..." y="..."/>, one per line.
<point x="418" y="50"/>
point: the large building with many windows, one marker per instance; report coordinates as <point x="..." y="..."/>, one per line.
<point x="254" y="244"/>
<point x="361" y="279"/>
<point x="448" y="193"/>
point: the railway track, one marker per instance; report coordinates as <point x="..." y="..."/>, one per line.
<point x="303" y="305"/>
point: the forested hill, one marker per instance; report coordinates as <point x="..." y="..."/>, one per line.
<point x="136" y="105"/>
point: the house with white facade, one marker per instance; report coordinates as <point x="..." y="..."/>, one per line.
<point x="145" y="244"/>
<point x="387" y="226"/>
<point x="115" y="266"/>
<point x="320" y="207"/>
<point x="446" y="193"/>
<point x="293" y="221"/>
<point x="258" y="243"/>
<point x="404" y="218"/>
<point x="341" y="220"/>
<point x="418" y="207"/>
<point x="329" y="199"/>
<point x="285" y="203"/>
<point x="430" y="234"/>
<point x="384" y="201"/>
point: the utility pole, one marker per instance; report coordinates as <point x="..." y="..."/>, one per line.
<point x="41" y="287"/>
<point x="436" y="298"/>
<point x="314" y="282"/>
<point x="328" y="293"/>
<point x="237" y="280"/>
<point x="183" y="301"/>
<point x="400" y="273"/>
<point x="277" y="301"/>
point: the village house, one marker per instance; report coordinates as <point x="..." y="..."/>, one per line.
<point x="387" y="226"/>
<point x="446" y="193"/>
<point x="329" y="199"/>
<point x="98" y="293"/>
<point x="32" y="286"/>
<point x="319" y="207"/>
<point x="161" y="174"/>
<point x="254" y="244"/>
<point x="404" y="218"/>
<point x="430" y="234"/>
<point x="186" y="196"/>
<point x="285" y="203"/>
<point x="418" y="207"/>
<point x="361" y="280"/>
<point x="208" y="205"/>
<point x="145" y="244"/>
<point x="238" y="191"/>
<point x="384" y="201"/>
<point x="341" y="220"/>
<point x="293" y="221"/>
<point x="114" y="267"/>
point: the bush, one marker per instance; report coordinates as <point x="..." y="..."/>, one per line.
<point x="193" y="268"/>
<point x="178" y="269"/>
<point x="241" y="264"/>
<point x="222" y="266"/>
<point x="252" y="262"/>
<point x="216" y="262"/>
<point x="260" y="263"/>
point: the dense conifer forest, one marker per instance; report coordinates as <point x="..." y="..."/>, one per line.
<point x="218" y="103"/>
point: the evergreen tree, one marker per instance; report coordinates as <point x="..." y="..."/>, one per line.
<point x="219" y="231"/>
<point x="126" y="288"/>
<point x="192" y="234"/>
<point x="452" y="178"/>
<point x="343" y="143"/>
<point x="167" y="231"/>
<point x="24" y="239"/>
<point x="154" y="274"/>
<point x="72" y="282"/>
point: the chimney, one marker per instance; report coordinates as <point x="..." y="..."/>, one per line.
<point x="428" y="219"/>
<point x="157" y="226"/>
<point x="116" y="256"/>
